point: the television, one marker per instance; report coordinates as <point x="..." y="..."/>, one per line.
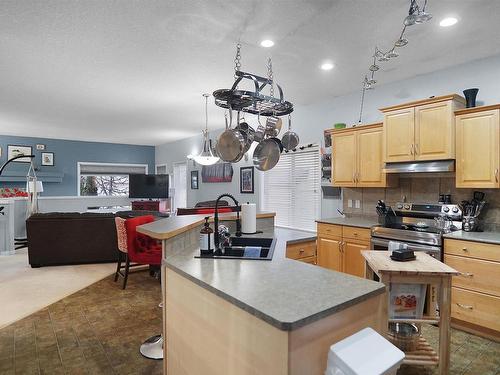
<point x="149" y="186"/>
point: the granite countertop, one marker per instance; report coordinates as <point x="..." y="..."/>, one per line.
<point x="486" y="237"/>
<point x="352" y="221"/>
<point x="285" y="293"/>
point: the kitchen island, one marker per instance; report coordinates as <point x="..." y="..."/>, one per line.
<point x="230" y="316"/>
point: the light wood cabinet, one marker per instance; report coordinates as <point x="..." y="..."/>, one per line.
<point x="475" y="294"/>
<point x="340" y="248"/>
<point x="357" y="157"/>
<point x="329" y="253"/>
<point x="478" y="147"/>
<point x="354" y="263"/>
<point x="302" y="251"/>
<point x="421" y="130"/>
<point x="399" y="134"/>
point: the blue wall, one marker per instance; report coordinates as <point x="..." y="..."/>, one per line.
<point x="66" y="156"/>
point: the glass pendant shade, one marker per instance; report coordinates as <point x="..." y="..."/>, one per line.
<point x="206" y="156"/>
<point x="410" y="20"/>
<point x="423" y="17"/>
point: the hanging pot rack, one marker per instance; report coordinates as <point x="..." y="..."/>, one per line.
<point x="254" y="102"/>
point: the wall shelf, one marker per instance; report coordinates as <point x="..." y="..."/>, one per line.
<point x="20" y="176"/>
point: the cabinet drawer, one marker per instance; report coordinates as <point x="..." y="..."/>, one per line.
<point x="476" y="274"/>
<point x="476" y="308"/>
<point x="329" y="230"/>
<point x="301" y="250"/>
<point x="310" y="260"/>
<point x="356" y="233"/>
<point x="472" y="249"/>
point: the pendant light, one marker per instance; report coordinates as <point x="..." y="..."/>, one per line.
<point x="206" y="156"/>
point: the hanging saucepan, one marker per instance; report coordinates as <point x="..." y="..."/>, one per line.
<point x="273" y="126"/>
<point x="266" y="155"/>
<point x="260" y="131"/>
<point x="290" y="139"/>
<point x="248" y="133"/>
<point x="231" y="143"/>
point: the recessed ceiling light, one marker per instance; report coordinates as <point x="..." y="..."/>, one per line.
<point x="448" y="21"/>
<point x="327" y="66"/>
<point x="267" y="43"/>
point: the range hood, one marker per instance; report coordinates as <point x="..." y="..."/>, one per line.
<point x="420" y="166"/>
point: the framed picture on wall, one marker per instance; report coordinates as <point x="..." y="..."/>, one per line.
<point x="194" y="180"/>
<point x="48" y="159"/>
<point x="14" y="150"/>
<point x="246" y="180"/>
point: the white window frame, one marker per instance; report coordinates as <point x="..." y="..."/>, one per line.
<point x="318" y="213"/>
<point x="80" y="163"/>
<point x="175" y="164"/>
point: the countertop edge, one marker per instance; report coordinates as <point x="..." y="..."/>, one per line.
<point x="350" y="222"/>
<point x="458" y="237"/>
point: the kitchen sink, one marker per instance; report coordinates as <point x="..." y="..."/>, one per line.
<point x="238" y="248"/>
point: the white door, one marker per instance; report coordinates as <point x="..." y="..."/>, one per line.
<point x="180" y="185"/>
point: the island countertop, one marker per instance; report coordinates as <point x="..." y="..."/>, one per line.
<point x="285" y="293"/>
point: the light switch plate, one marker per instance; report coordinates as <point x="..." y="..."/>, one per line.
<point x="349" y="203"/>
<point x="357" y="202"/>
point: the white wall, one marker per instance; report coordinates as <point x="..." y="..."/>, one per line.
<point x="310" y="120"/>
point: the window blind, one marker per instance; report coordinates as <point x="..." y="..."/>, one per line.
<point x="96" y="169"/>
<point x="292" y="189"/>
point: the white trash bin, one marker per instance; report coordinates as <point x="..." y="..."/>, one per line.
<point x="364" y="353"/>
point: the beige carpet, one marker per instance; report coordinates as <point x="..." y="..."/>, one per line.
<point x="25" y="290"/>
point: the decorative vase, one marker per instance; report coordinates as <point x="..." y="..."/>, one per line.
<point x="470" y="97"/>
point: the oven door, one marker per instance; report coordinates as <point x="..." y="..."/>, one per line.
<point x="383" y="244"/>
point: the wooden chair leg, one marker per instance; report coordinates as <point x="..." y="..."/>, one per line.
<point x="127" y="266"/>
<point x="118" y="265"/>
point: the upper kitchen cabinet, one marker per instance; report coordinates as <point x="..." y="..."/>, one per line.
<point x="478" y="147"/>
<point x="421" y="130"/>
<point x="357" y="157"/>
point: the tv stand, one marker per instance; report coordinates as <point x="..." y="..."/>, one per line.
<point x="159" y="205"/>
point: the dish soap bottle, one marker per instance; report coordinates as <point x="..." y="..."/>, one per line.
<point x="206" y="239"/>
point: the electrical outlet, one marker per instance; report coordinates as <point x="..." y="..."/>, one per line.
<point x="357" y="203"/>
<point x="349" y="203"/>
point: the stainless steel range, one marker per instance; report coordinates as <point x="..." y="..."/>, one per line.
<point x="419" y="225"/>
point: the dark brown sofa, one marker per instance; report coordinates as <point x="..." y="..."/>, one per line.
<point x="71" y="238"/>
<point x="59" y="238"/>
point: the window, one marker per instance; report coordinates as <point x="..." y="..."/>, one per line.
<point x="292" y="189"/>
<point x="180" y="185"/>
<point x="104" y="179"/>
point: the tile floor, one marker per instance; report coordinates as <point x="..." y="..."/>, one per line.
<point x="99" y="329"/>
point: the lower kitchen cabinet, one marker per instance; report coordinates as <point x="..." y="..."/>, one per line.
<point x="475" y="295"/>
<point x="330" y="253"/>
<point x="339" y="248"/>
<point x="302" y="251"/>
<point x="354" y="263"/>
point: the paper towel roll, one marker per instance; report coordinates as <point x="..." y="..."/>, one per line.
<point x="248" y="218"/>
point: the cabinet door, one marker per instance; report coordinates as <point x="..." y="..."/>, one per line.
<point x="478" y="151"/>
<point x="344" y="159"/>
<point x="329" y="255"/>
<point x="370" y="158"/>
<point x="354" y="263"/>
<point x="399" y="127"/>
<point x="434" y="131"/>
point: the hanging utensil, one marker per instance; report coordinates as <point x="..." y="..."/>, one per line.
<point x="231" y="143"/>
<point x="290" y="139"/>
<point x="266" y="155"/>
<point x="260" y="131"/>
<point x="248" y="134"/>
<point x="273" y="126"/>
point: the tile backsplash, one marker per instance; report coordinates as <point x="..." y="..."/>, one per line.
<point x="422" y="190"/>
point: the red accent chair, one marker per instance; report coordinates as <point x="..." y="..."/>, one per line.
<point x="137" y="248"/>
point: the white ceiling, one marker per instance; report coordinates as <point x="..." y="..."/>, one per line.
<point x="133" y="71"/>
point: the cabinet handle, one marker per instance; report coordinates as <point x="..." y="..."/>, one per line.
<point x="468" y="307"/>
<point x="415" y="146"/>
<point x="496" y="175"/>
<point x="467" y="274"/>
<point x="411" y="149"/>
<point x="465" y="249"/>
<point x="301" y="251"/>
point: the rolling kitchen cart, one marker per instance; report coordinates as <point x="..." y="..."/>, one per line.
<point x="423" y="270"/>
